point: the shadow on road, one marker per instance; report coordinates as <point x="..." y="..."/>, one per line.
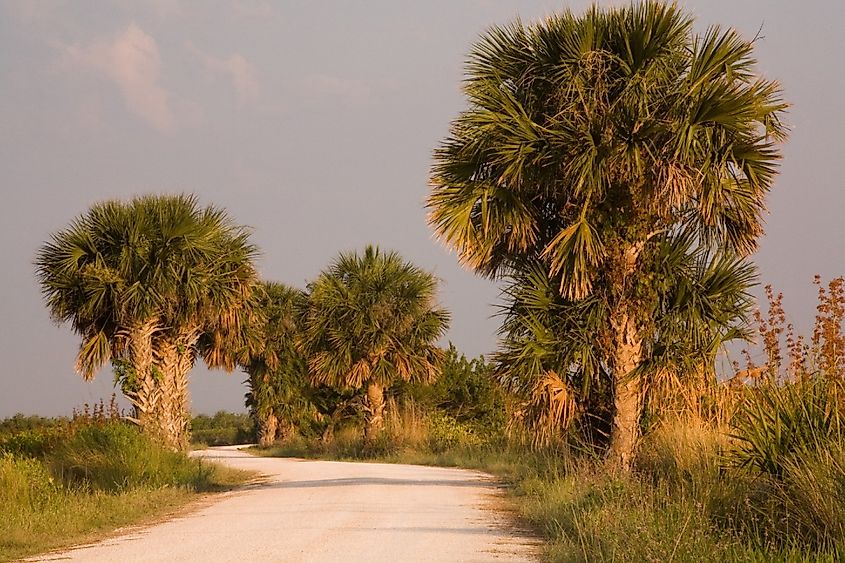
<point x="356" y="481"/>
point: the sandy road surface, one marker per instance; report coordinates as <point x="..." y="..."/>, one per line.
<point x="329" y="511"/>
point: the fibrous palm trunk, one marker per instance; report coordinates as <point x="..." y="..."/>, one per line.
<point x="626" y="357"/>
<point x="175" y="358"/>
<point x="375" y="411"/>
<point x="267" y="427"/>
<point x="143" y="391"/>
<point x="628" y="389"/>
<point x="286" y="430"/>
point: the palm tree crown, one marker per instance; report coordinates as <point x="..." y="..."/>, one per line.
<point x="587" y="134"/>
<point x="373" y="317"/>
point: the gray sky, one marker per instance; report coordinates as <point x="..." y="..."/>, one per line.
<point x="313" y="122"/>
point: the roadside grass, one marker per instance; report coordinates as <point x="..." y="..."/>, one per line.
<point x="75" y="483"/>
<point x="685" y="501"/>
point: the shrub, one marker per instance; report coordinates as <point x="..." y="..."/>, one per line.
<point x="20" y="422"/>
<point x="446" y="432"/>
<point x="34" y="443"/>
<point x="466" y="390"/>
<point x="117" y="456"/>
<point x="223" y="429"/>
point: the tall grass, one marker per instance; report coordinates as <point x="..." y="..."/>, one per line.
<point x="70" y="483"/>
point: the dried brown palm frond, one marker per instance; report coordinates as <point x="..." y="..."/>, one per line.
<point x="551" y="410"/>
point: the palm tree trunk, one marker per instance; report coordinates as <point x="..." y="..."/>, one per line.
<point x="267" y="428"/>
<point x="143" y="390"/>
<point x="181" y="413"/>
<point x="627" y="355"/>
<point x="166" y="361"/>
<point x="375" y="407"/>
<point x="175" y="359"/>
<point x="628" y="399"/>
<point x="286" y="430"/>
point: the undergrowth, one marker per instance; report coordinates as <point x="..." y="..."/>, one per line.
<point x="71" y="482"/>
<point x="686" y="500"/>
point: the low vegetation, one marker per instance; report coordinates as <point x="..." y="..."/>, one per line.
<point x="222" y="429"/>
<point x="64" y="482"/>
<point x="751" y="470"/>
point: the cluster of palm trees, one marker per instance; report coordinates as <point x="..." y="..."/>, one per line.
<point x="611" y="167"/>
<point x="367" y="321"/>
<point x="155" y="282"/>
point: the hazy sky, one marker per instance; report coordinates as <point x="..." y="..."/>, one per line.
<point x="313" y="122"/>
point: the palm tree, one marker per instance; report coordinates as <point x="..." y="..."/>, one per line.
<point x="552" y="355"/>
<point x="372" y="319"/>
<point x="210" y="302"/>
<point x="276" y="368"/>
<point x="591" y="139"/>
<point x="140" y="281"/>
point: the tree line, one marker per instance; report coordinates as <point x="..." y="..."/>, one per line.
<point x="610" y="167"/>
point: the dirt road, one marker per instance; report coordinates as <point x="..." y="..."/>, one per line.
<point x="330" y="511"/>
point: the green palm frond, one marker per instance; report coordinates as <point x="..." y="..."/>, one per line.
<point x="623" y="116"/>
<point x="373" y="317"/>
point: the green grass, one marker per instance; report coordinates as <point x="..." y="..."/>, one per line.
<point x="75" y="484"/>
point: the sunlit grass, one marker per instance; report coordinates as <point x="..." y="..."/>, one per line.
<point x="77" y="484"/>
<point x="683" y="502"/>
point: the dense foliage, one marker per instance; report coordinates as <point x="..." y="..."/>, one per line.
<point x="276" y="367"/>
<point x="222" y="429"/>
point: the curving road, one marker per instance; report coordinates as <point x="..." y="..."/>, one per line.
<point x="330" y="511"/>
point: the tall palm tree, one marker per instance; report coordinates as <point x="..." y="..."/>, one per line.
<point x="140" y="281"/>
<point x="372" y="318"/>
<point x="590" y="139"/>
<point x="277" y="369"/>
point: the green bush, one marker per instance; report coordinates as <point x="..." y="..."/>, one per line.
<point x="20" y="422"/>
<point x="466" y="391"/>
<point x="223" y="429"/>
<point x="34" y="442"/>
<point x="446" y="432"/>
<point x="117" y="456"/>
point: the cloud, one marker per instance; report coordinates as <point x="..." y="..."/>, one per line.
<point x="131" y="60"/>
<point x="236" y="68"/>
